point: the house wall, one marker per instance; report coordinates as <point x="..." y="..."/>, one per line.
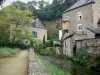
<point x="90" y="34"/>
<point x="40" y="33"/>
<point x="87" y="17"/>
<point x="96" y="12"/>
<point x="90" y="46"/>
<point x="68" y="47"/>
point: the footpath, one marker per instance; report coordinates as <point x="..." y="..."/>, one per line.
<point x="16" y="65"/>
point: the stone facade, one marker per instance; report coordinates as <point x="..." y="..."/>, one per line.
<point x="80" y="17"/>
<point x="87" y="17"/>
<point x="67" y="49"/>
<point x="96" y="12"/>
<point x="40" y="33"/>
<point x="90" y="46"/>
<point x="38" y="30"/>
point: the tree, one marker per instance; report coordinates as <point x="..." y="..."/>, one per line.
<point x="45" y="11"/>
<point x="20" y="5"/>
<point x="1" y="1"/>
<point x="19" y="22"/>
<point x="42" y="4"/>
<point x="4" y="29"/>
<point x="44" y="39"/>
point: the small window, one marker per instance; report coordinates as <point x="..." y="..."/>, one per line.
<point x="79" y="16"/>
<point x="79" y="28"/>
<point x="67" y="18"/>
<point x="34" y="34"/>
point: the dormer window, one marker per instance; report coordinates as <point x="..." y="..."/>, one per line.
<point x="79" y="15"/>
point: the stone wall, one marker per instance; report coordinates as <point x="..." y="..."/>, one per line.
<point x="96" y="12"/>
<point x="40" y="33"/>
<point x="91" y="46"/>
<point x="87" y="18"/>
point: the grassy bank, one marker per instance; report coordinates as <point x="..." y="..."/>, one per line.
<point x="54" y="70"/>
<point x="7" y="52"/>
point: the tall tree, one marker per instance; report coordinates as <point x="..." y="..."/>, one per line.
<point x="45" y="11"/>
<point x="20" y="5"/>
<point x="19" y="22"/>
<point x="1" y="1"/>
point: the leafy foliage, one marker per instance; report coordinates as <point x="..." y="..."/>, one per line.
<point x="7" y="52"/>
<point x="1" y="1"/>
<point x="14" y="26"/>
<point x="54" y="36"/>
<point x="82" y="58"/>
<point x="53" y="69"/>
<point x="44" y="10"/>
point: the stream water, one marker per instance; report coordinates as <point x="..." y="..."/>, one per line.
<point x="69" y="66"/>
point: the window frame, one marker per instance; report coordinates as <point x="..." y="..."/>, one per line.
<point x="79" y="28"/>
<point x="34" y="34"/>
<point x="79" y="16"/>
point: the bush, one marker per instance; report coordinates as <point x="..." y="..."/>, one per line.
<point x="7" y="52"/>
<point x="17" y="44"/>
<point x="82" y="58"/>
<point x="94" y="63"/>
<point x="47" y="52"/>
<point x="41" y="48"/>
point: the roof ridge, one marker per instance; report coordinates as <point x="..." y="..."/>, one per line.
<point x="79" y="3"/>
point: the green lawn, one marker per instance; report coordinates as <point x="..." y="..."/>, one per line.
<point x="54" y="70"/>
<point x="7" y="52"/>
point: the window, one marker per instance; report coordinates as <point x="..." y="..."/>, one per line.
<point x="79" y="28"/>
<point x="34" y="34"/>
<point x="79" y="15"/>
<point x="67" y="18"/>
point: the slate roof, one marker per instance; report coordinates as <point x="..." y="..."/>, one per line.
<point x="67" y="35"/>
<point x="94" y="30"/>
<point x="79" y="3"/>
<point x="38" y="24"/>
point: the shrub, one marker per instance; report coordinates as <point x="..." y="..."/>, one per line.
<point x="94" y="63"/>
<point x="7" y="52"/>
<point x="82" y="58"/>
<point x="47" y="52"/>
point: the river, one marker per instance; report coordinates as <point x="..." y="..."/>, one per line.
<point x="69" y="66"/>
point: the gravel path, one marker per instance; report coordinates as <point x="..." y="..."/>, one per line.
<point x="35" y="65"/>
<point x="17" y="65"/>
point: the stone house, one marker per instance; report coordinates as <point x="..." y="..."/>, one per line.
<point x="38" y="30"/>
<point x="80" y="21"/>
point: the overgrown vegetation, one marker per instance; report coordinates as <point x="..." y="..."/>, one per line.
<point x="14" y="27"/>
<point x="54" y="70"/>
<point x="41" y="48"/>
<point x="82" y="58"/>
<point x="44" y="10"/>
<point x="90" y="62"/>
<point x="46" y="48"/>
<point x="54" y="36"/>
<point x="7" y="52"/>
